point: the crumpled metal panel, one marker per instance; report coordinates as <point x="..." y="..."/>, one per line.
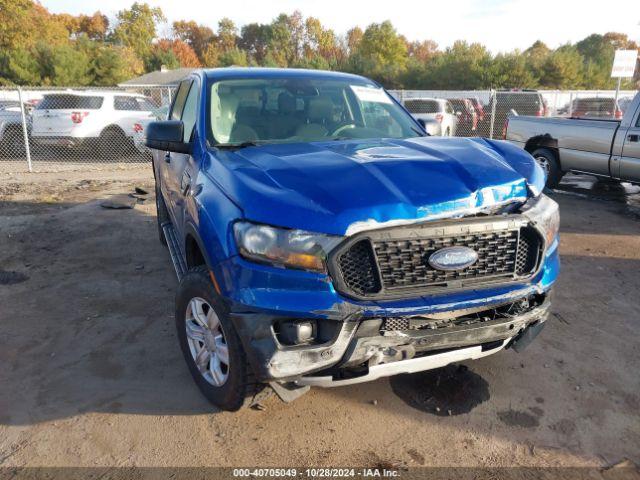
<point x="346" y="187"/>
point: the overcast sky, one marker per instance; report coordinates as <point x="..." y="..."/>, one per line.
<point x="501" y="25"/>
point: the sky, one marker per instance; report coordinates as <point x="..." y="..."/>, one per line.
<point x="501" y="25"/>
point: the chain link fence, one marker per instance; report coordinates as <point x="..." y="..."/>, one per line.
<point x="54" y="129"/>
<point x="484" y="112"/>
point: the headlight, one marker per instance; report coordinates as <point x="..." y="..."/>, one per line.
<point x="545" y="214"/>
<point x="282" y="247"/>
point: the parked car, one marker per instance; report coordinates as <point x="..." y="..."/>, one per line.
<point x="11" y="130"/>
<point x="596" y="107"/>
<point x="606" y="148"/>
<point x="438" y="113"/>
<point x="505" y="102"/>
<point x="101" y="120"/>
<point x="139" y="128"/>
<point x="467" y="118"/>
<point x="325" y="240"/>
<point x="477" y="106"/>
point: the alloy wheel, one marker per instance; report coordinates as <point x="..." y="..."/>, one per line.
<point x="207" y="342"/>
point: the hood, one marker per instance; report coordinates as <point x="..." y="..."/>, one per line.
<point x="344" y="187"/>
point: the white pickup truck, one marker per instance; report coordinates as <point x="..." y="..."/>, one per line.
<point x="601" y="147"/>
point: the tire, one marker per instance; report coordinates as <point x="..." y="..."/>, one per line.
<point x="162" y="214"/>
<point x="112" y="144"/>
<point x="12" y="144"/>
<point x="548" y="160"/>
<point x="239" y="387"/>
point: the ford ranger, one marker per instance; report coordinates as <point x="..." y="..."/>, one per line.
<point x="601" y="147"/>
<point x="321" y="238"/>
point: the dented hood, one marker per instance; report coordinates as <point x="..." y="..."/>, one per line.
<point x="344" y="187"/>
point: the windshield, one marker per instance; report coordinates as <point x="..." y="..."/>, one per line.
<point x="303" y="110"/>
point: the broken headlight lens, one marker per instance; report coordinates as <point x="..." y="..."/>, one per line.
<point x="284" y="248"/>
<point x="545" y="214"/>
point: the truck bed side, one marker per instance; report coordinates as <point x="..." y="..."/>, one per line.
<point x="582" y="145"/>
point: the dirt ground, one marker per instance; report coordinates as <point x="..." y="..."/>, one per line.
<point x="91" y="373"/>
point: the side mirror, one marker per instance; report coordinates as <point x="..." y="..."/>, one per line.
<point x="167" y="136"/>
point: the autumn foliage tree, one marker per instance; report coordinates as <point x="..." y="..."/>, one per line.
<point x="40" y="48"/>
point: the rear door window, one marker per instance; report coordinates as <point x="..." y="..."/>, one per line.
<point x="422" y="106"/>
<point x="145" y="104"/>
<point x="125" y="103"/>
<point x="70" y="102"/>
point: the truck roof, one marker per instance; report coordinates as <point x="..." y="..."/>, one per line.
<point x="258" y="72"/>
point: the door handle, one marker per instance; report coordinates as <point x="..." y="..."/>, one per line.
<point x="167" y="157"/>
<point x="633" y="137"/>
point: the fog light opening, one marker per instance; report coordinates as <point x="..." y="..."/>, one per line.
<point x="295" y="332"/>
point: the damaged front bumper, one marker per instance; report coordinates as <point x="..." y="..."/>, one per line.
<point x="361" y="349"/>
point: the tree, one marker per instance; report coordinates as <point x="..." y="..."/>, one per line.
<point x="136" y="28"/>
<point x="422" y="51"/>
<point x="211" y="56"/>
<point x="321" y="48"/>
<point x="94" y="26"/>
<point x="563" y="68"/>
<point x="113" y="64"/>
<point x="227" y="34"/>
<point x="535" y="56"/>
<point x="64" y="65"/>
<point x="20" y="66"/>
<point x="234" y="57"/>
<point x="198" y="37"/>
<point x="254" y="39"/>
<point x="354" y="37"/>
<point x="462" y="66"/>
<point x="381" y="54"/>
<point x="183" y="53"/>
<point x="510" y="70"/>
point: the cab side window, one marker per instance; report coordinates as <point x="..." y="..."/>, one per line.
<point x="189" y="113"/>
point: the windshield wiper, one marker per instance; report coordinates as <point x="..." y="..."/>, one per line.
<point x="231" y="146"/>
<point x="420" y="133"/>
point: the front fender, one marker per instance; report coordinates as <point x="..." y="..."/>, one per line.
<point x="210" y="225"/>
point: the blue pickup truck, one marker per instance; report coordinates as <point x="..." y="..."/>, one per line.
<point x="322" y="238"/>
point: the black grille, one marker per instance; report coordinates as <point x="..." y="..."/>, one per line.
<point x="404" y="263"/>
<point x="358" y="268"/>
<point x="528" y="252"/>
<point x="401" y="264"/>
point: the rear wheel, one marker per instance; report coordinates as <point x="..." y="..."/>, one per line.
<point x="447" y="132"/>
<point x="210" y="345"/>
<point x="548" y="160"/>
<point x="112" y="144"/>
<point x="12" y="144"/>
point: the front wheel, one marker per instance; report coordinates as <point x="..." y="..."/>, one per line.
<point x="210" y="345"/>
<point x="548" y="160"/>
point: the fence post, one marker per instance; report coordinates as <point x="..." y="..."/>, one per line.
<point x="492" y="96"/>
<point x="571" y="105"/>
<point x="24" y="129"/>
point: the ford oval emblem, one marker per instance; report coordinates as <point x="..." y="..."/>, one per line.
<point x="453" y="258"/>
